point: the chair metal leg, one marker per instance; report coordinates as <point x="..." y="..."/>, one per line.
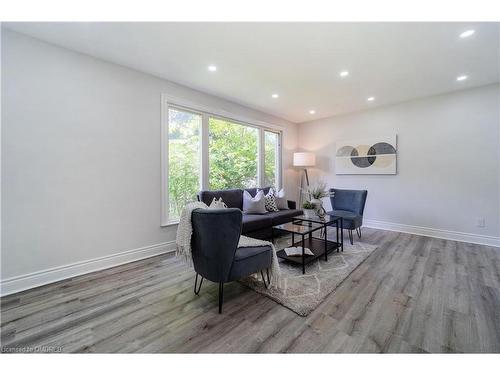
<point x="303" y="256"/>
<point x="268" y="279"/>
<point x="221" y="296"/>
<point x="337" y="233"/>
<point x="341" y="234"/>
<point x="358" y="231"/>
<point x="197" y="291"/>
<point x="263" y="278"/>
<point x="350" y="237"/>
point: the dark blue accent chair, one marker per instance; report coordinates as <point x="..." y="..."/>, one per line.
<point x="214" y="247"/>
<point x="350" y="205"/>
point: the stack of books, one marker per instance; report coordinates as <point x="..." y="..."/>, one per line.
<point x="297" y="251"/>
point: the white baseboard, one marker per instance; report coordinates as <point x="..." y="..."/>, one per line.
<point x="32" y="280"/>
<point x="432" y="232"/>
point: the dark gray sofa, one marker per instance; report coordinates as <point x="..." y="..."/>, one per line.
<point x="256" y="226"/>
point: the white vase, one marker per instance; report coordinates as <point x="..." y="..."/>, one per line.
<point x="309" y="212"/>
<point x="318" y="207"/>
<point x="317" y="202"/>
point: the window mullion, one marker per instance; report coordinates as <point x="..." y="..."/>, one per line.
<point x="279" y="165"/>
<point x="164" y="163"/>
<point x="261" y="159"/>
<point x="205" y="165"/>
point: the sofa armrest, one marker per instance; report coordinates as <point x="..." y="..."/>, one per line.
<point x="292" y="205"/>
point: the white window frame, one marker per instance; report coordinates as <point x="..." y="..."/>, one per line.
<point x="207" y="112"/>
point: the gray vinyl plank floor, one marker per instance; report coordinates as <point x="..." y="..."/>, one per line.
<point x="413" y="294"/>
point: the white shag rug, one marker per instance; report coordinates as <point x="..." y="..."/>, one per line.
<point x="303" y="293"/>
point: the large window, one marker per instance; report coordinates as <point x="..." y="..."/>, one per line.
<point x="271" y="158"/>
<point x="233" y="155"/>
<point x="202" y="149"/>
<point x="184" y="146"/>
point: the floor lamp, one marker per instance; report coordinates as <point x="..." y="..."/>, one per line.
<point x="304" y="160"/>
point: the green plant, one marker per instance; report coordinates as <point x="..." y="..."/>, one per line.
<point x="183" y="166"/>
<point x="233" y="151"/>
<point x="233" y="157"/>
<point x="319" y="191"/>
<point x="307" y="205"/>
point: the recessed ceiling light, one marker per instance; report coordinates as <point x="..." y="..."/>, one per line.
<point x="312" y="112"/>
<point x="275" y="96"/>
<point x="467" y="33"/>
<point x="371" y="99"/>
<point x="461" y="78"/>
<point x="344" y="73"/>
<point x="212" y="68"/>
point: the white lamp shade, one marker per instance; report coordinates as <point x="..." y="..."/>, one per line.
<point x="304" y="159"/>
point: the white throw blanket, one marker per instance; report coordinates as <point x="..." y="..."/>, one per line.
<point x="185" y="231"/>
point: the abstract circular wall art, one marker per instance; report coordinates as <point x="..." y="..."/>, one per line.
<point x="367" y="156"/>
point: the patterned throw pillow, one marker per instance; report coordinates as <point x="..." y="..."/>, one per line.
<point x="217" y="204"/>
<point x="270" y="202"/>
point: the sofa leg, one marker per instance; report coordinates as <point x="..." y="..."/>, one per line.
<point x="196" y="286"/>
<point x="221" y="296"/>
<point x="350" y="237"/>
<point x="358" y="231"/>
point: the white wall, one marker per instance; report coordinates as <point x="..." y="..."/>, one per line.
<point x="81" y="161"/>
<point x="448" y="163"/>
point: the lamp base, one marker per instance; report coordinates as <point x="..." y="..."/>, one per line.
<point x="301" y="192"/>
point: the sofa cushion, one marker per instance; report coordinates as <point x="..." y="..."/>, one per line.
<point x="248" y="260"/>
<point x="270" y="202"/>
<point x="255" y="222"/>
<point x="243" y="253"/>
<point x="261" y="234"/>
<point x="254" y="205"/>
<point x="350" y="219"/>
<point x="283" y="216"/>
<point x="281" y="201"/>
<point x="253" y="191"/>
<point x="233" y="198"/>
<point x="217" y="204"/>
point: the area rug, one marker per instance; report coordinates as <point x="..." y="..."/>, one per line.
<point x="303" y="293"/>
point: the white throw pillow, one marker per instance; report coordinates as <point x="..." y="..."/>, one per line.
<point x="255" y="205"/>
<point x="270" y="201"/>
<point x="281" y="201"/>
<point x="217" y="204"/>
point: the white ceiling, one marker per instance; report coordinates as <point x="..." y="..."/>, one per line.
<point x="301" y="62"/>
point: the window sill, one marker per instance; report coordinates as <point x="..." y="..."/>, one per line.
<point x="169" y="223"/>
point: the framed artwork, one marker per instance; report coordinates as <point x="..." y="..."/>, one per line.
<point x="367" y="156"/>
